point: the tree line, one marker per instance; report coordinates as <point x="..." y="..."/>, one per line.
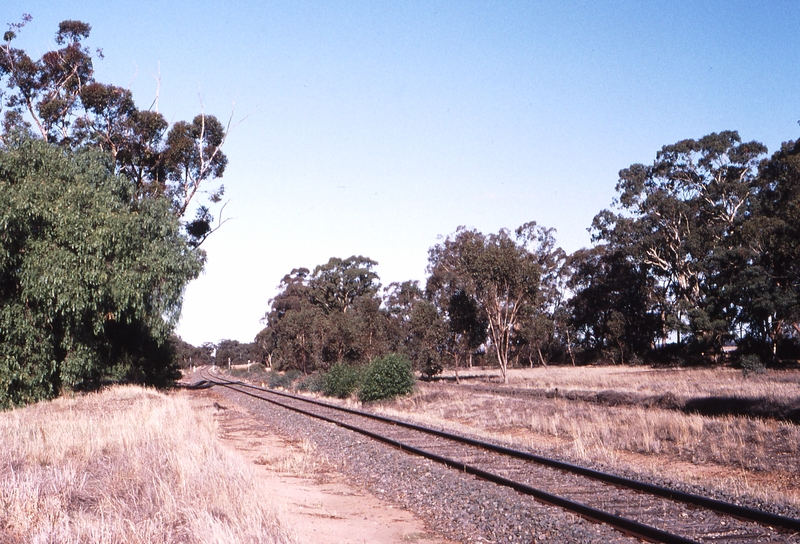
<point x="699" y="252"/>
<point x="104" y="207"/>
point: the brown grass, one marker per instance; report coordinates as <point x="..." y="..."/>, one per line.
<point x="739" y="455"/>
<point x="126" y="465"/>
<point x="645" y="380"/>
<point x="301" y="459"/>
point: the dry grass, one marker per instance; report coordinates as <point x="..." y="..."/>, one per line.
<point x="303" y="459"/>
<point x="740" y="455"/>
<point x="126" y="465"/>
<point x="681" y="382"/>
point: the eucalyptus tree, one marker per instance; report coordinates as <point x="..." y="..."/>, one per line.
<point x="540" y="326"/>
<point x="416" y="327"/>
<point x="288" y="337"/>
<point x="326" y="316"/>
<point x="91" y="278"/>
<point x="99" y="221"/>
<point x="338" y="284"/>
<point x="497" y="271"/>
<point x="677" y="216"/>
<point x="236" y="353"/>
<point x="764" y="281"/>
<point x="615" y="302"/>
<point x="56" y="98"/>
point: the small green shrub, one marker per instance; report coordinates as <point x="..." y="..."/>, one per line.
<point x="283" y="379"/>
<point x="751" y="364"/>
<point x="341" y="381"/>
<point x="313" y="383"/>
<point x="430" y="368"/>
<point x="387" y="377"/>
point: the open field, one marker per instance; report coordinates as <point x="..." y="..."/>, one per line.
<point x="634" y="420"/>
<point x="126" y="465"/>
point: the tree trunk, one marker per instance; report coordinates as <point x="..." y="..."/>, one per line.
<point x="569" y="349"/>
<point x="503" y="361"/>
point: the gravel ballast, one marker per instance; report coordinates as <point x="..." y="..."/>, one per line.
<point x="454" y="505"/>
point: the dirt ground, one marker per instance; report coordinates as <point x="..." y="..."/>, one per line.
<point x="316" y="501"/>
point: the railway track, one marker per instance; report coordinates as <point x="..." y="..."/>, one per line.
<point x="643" y="510"/>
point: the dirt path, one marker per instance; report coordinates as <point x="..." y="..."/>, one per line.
<point x="317" y="501"/>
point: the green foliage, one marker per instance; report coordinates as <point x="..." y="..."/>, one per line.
<point x="313" y="383"/>
<point x="91" y="277"/>
<point x="283" y="379"/>
<point x="416" y="327"/>
<point x="751" y="364"/>
<point x="681" y="224"/>
<point x="342" y="381"/>
<point x="57" y="99"/>
<point x="493" y="281"/>
<point x="330" y="316"/>
<point x="612" y="305"/>
<point x="236" y="352"/>
<point x="185" y="355"/>
<point x="387" y="377"/>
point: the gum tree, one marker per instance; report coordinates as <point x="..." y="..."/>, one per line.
<point x="678" y="216"/>
<point x="57" y="99"/>
<point x="497" y="271"/>
<point x="99" y="222"/>
<point x="91" y="278"/>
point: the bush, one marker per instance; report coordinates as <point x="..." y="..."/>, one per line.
<point x="313" y="383"/>
<point x="751" y="364"/>
<point x="430" y="368"/>
<point x="387" y="377"/>
<point x="256" y="373"/>
<point x="283" y="379"/>
<point x="341" y="381"/>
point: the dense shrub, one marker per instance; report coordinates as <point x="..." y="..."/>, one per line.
<point x="91" y="275"/>
<point x="751" y="364"/>
<point x="313" y="383"/>
<point x="387" y="377"/>
<point x="283" y="379"/>
<point x="341" y="381"/>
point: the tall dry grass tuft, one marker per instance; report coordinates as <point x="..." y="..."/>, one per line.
<point x="126" y="465"/>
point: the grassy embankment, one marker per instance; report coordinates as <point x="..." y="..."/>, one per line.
<point x="126" y="465"/>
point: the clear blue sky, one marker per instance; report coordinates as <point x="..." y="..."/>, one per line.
<point x="373" y="127"/>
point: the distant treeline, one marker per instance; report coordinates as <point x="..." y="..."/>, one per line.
<point x="226" y="351"/>
<point x="700" y="253"/>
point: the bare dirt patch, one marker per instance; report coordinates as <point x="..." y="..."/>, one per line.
<point x="320" y="505"/>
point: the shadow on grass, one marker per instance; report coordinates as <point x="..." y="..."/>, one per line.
<point x="712" y="406"/>
<point x="743" y="406"/>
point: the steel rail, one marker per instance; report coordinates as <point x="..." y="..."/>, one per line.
<point x="625" y="525"/>
<point x="722" y="507"/>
